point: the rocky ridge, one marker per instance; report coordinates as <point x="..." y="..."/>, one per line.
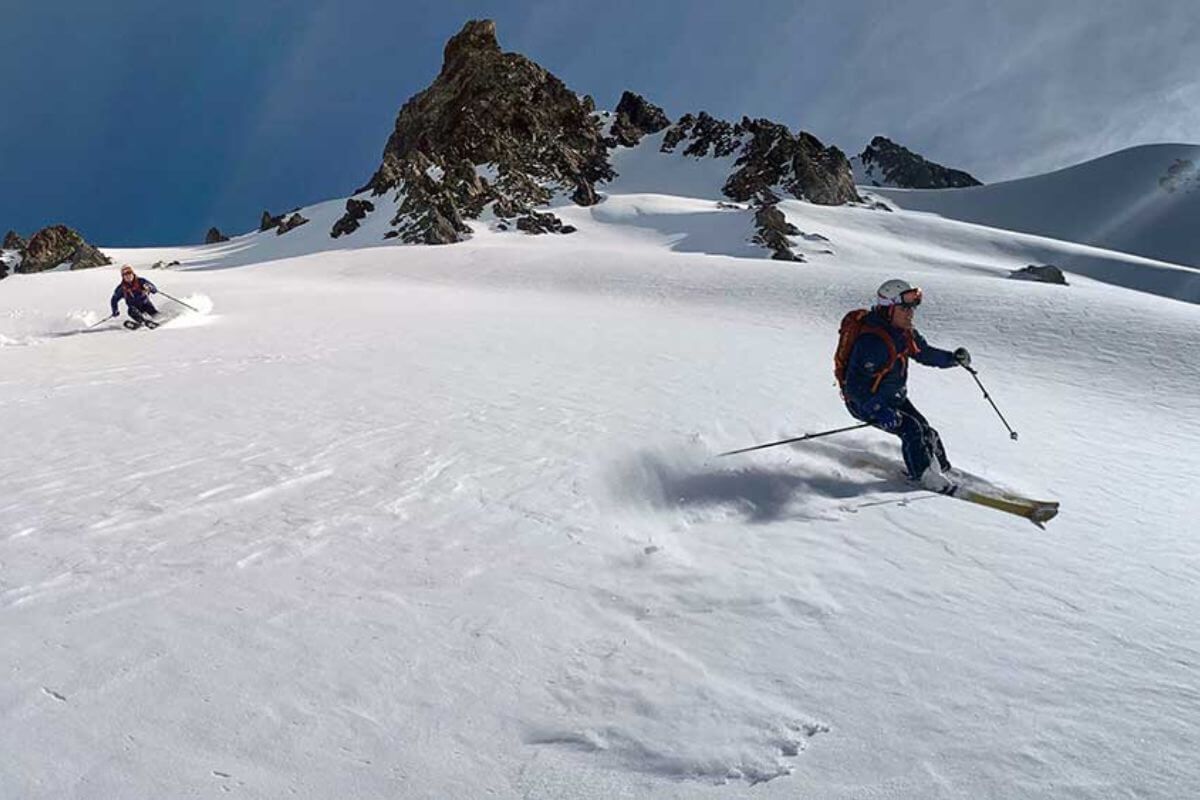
<point x="768" y="158"/>
<point x="885" y="163"/>
<point x="49" y="248"/>
<point x="497" y="132"/>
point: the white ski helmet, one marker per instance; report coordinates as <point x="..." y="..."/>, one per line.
<point x="897" y="293"/>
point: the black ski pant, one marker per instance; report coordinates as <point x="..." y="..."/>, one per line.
<point x="919" y="442"/>
<point x="137" y="311"/>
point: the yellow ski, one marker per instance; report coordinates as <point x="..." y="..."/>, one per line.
<point x="1039" y="512"/>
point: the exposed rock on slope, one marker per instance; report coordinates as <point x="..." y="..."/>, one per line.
<point x="52" y="247"/>
<point x="270" y="221"/>
<point x="885" y="163"/>
<point x="773" y="232"/>
<point x="356" y="212"/>
<point x="769" y="158"/>
<point x="291" y="223"/>
<point x="1043" y="273"/>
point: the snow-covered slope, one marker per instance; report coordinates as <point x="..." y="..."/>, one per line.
<point x="446" y="521"/>
<point x="1144" y="200"/>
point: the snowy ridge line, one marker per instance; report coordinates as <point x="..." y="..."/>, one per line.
<point x="1092" y="220"/>
<point x="1141" y="200"/>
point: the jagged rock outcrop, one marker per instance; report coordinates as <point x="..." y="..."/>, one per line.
<point x="88" y="257"/>
<point x="1183" y="175"/>
<point x="268" y="221"/>
<point x="291" y="223"/>
<point x="885" y="163"/>
<point x="214" y="236"/>
<point x="773" y="230"/>
<point x="11" y="252"/>
<point x="635" y="117"/>
<point x="769" y="158"/>
<point x="539" y="222"/>
<point x="356" y="212"/>
<point x="493" y="127"/>
<point x="1043" y="273"/>
<point x="58" y="244"/>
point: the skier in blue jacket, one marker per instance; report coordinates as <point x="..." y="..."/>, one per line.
<point x="875" y="388"/>
<point x="136" y="292"/>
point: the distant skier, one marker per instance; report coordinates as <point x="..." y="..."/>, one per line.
<point x="136" y="292"/>
<point x="871" y="366"/>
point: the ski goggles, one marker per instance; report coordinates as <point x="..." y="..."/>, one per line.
<point x="910" y="298"/>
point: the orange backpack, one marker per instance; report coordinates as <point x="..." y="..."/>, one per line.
<point x="848" y="332"/>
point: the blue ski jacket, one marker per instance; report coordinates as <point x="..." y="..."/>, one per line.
<point x="134" y="295"/>
<point x="870" y="355"/>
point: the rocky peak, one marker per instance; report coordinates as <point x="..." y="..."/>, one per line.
<point x="635" y="117"/>
<point x="476" y="40"/>
<point x="497" y="132"/>
<point x="214" y="236"/>
<point x="492" y="128"/>
<point x="885" y="163"/>
<point x="13" y="241"/>
<point x="56" y="245"/>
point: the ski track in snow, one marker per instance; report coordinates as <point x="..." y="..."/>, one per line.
<point x="446" y="522"/>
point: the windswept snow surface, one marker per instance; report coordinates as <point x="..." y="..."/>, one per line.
<point x="1143" y="200"/>
<point x="446" y="522"/>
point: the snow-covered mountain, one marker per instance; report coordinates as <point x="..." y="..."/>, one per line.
<point x="1144" y="200"/>
<point x="446" y="521"/>
<point x="384" y="520"/>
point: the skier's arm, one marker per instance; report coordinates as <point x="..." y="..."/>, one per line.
<point x="932" y="356"/>
<point x="149" y="287"/>
<point x="116" y="296"/>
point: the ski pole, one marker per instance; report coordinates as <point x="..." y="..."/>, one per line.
<point x="177" y="300"/>
<point x="795" y="439"/>
<point x="103" y="319"/>
<point x="1011" y="433"/>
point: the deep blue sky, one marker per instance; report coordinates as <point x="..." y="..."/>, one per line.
<point x="143" y="122"/>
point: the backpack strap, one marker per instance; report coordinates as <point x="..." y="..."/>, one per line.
<point x="894" y="355"/>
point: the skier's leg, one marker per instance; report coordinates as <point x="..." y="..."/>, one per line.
<point x="913" y="444"/>
<point x="148" y="308"/>
<point x="933" y="441"/>
<point x="135" y="313"/>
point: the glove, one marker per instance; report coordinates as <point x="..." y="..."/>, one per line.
<point x="888" y="419"/>
<point x="154" y="290"/>
<point x="962" y="357"/>
<point x="116" y="313"/>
